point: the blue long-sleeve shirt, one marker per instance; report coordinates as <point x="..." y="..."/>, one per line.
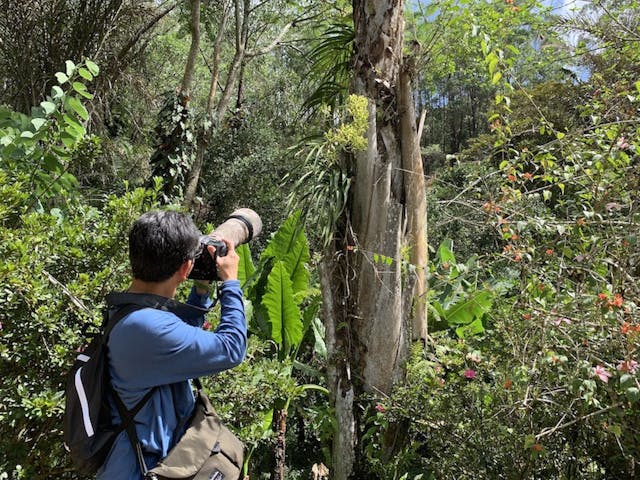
<point x="151" y="347"/>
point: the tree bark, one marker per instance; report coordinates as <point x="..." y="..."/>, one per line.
<point x="416" y="204"/>
<point x="187" y="79"/>
<point x="338" y="371"/>
<point x="196" y="168"/>
<point x="280" y="430"/>
<point x="368" y="318"/>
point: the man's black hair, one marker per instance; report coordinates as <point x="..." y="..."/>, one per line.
<point x="159" y="243"/>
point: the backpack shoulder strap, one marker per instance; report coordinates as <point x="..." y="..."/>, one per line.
<point x="111" y="317"/>
<point x="127" y="423"/>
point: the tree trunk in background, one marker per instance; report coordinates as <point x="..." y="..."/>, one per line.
<point x="196" y="168"/>
<point x="187" y="79"/>
<point x="242" y="12"/>
<point x="280" y="431"/>
<point x="368" y="304"/>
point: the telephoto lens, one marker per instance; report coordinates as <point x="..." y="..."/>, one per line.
<point x="242" y="226"/>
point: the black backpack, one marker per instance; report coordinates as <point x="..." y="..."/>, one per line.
<point x="89" y="431"/>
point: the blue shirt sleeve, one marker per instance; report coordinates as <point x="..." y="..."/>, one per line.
<point x="152" y="347"/>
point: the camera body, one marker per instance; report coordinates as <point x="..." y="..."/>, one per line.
<point x="205" y="267"/>
<point x="240" y="227"/>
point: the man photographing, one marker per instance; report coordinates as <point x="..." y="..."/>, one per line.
<point x="156" y="348"/>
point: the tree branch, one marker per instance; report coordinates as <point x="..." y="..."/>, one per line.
<point x="272" y="45"/>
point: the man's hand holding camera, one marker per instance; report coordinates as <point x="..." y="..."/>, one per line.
<point x="226" y="267"/>
<point x="228" y="264"/>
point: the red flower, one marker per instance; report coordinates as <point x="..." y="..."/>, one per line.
<point x="626" y="327"/>
<point x="508" y="384"/>
<point x="617" y="300"/>
<point x="469" y="374"/>
<point x="602" y="297"/>
<point x="511" y="177"/>
<point x="549" y="251"/>
<point x="380" y="408"/>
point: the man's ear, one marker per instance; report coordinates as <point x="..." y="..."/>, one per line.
<point x="185" y="269"/>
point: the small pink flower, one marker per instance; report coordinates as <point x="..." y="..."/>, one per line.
<point x="206" y="325"/>
<point x="470" y="374"/>
<point x="380" y="408"/>
<point x="622" y="143"/>
<point x="560" y="320"/>
<point x="601" y="373"/>
<point x="628" y="366"/>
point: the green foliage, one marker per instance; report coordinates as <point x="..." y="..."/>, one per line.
<point x="283" y="308"/>
<point x="279" y="286"/>
<point x="245" y="166"/>
<point x="331" y="63"/>
<point x="455" y="302"/>
<point x="283" y="313"/>
<point x="351" y="136"/>
<point x="42" y="147"/>
<point x="444" y="38"/>
<point x="549" y="389"/>
<point x="324" y="175"/>
<point x="175" y="145"/>
<point x="54" y="262"/>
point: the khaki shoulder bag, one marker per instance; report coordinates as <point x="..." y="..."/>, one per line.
<point x="208" y="450"/>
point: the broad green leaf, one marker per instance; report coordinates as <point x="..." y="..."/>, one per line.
<point x="62" y="78"/>
<point x="70" y="67"/>
<point x="295" y="262"/>
<point x="38" y="122"/>
<point x="445" y="252"/>
<point x="284" y="239"/>
<point x="319" y="347"/>
<point x="496" y="78"/>
<point x="468" y="309"/>
<point x="474" y="328"/>
<point x="48" y="107"/>
<point x="82" y="90"/>
<point x="93" y="68"/>
<point x="86" y="74"/>
<point x="77" y="107"/>
<point x="284" y="314"/>
<point x="57" y="92"/>
<point x="51" y="163"/>
<point x="246" y="267"/>
<point x="68" y="140"/>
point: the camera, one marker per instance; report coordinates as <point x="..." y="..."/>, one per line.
<point x="242" y="226"/>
